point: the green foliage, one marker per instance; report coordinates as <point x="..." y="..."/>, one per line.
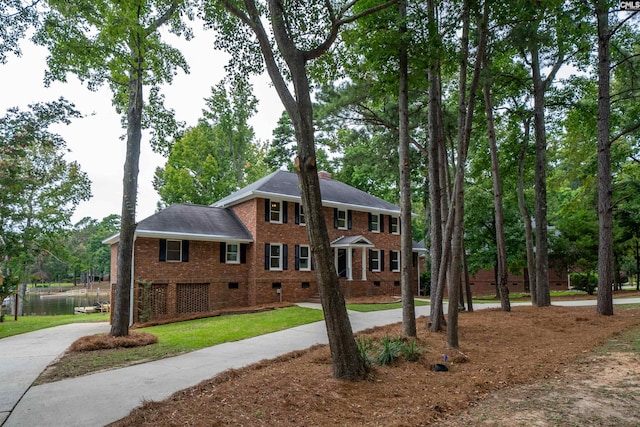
<point x="364" y="347"/>
<point x="118" y="43"/>
<point x="411" y="351"/>
<point x="218" y="155"/>
<point x="16" y="17"/>
<point x="39" y="188"/>
<point x="587" y="282"/>
<point x="388" y="350"/>
<point x="8" y="286"/>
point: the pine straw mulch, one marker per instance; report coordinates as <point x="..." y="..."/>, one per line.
<point x="500" y="351"/>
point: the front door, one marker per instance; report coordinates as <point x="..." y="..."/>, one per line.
<point x="342" y="263"/>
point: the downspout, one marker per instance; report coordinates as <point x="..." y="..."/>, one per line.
<point x="418" y="265"/>
<point x="133" y="264"/>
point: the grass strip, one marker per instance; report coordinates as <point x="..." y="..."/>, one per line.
<point x="363" y="308"/>
<point x="182" y="337"/>
<point x="26" y="324"/>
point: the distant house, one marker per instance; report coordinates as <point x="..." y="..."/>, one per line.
<point x="252" y="248"/>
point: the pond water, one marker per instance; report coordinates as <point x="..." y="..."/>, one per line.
<point x="44" y="304"/>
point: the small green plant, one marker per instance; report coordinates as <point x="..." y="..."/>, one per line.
<point x="390" y="351"/>
<point x="364" y="345"/>
<point x="411" y="351"/>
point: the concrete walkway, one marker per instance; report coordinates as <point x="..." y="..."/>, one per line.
<point x="105" y="397"/>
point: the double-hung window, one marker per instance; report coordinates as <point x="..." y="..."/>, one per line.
<point x="375" y="260"/>
<point x="301" y="218"/>
<point x="275" y="211"/>
<point x="275" y="256"/>
<point x="342" y="219"/>
<point x="174" y="250"/>
<point x="394" y="225"/>
<point x="394" y="260"/>
<point x="303" y="257"/>
<point x="374" y="223"/>
<point x="275" y="259"/>
<point x="233" y="253"/>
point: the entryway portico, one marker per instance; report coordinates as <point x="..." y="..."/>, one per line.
<point x="344" y="248"/>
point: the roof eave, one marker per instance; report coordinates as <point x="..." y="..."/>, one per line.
<point x="179" y="236"/>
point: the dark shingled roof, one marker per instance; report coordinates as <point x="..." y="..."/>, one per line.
<point x="285" y="184"/>
<point x="203" y="221"/>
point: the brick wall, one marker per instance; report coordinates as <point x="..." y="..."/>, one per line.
<point x="484" y="282"/>
<point x="203" y="283"/>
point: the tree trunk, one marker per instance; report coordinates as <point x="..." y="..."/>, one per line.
<point x="542" y="257"/>
<point x="121" y="310"/>
<point x="501" y="247"/>
<point x="406" y="262"/>
<point x="436" y="146"/>
<point x="605" y="217"/>
<point x="526" y="217"/>
<point x="348" y="364"/>
<point x="467" y="283"/>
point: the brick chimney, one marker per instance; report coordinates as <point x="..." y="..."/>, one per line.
<point x="324" y="175"/>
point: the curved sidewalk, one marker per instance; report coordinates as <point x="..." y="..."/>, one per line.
<point x="23" y="357"/>
<point x="104" y="397"/>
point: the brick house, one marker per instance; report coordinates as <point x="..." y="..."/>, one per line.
<point x="252" y="248"/>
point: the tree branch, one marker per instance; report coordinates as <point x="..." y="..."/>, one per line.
<point x="339" y="21"/>
<point x="163" y="18"/>
<point x="624" y="132"/>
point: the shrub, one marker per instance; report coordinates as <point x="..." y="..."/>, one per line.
<point x="587" y="282"/>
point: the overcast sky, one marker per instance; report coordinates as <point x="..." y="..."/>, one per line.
<point x="94" y="141"/>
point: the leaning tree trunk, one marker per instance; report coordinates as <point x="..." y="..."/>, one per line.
<point x="501" y="247"/>
<point x="436" y="146"/>
<point x="605" y="218"/>
<point x="408" y="308"/>
<point x="121" y="316"/>
<point x="347" y="362"/>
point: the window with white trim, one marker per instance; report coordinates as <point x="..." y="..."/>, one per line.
<point x="374" y="260"/>
<point x="394" y="225"/>
<point x="304" y="258"/>
<point x="342" y="219"/>
<point x="233" y="253"/>
<point x="375" y="223"/>
<point x="394" y="260"/>
<point x="275" y="211"/>
<point x="275" y="257"/>
<point x="174" y="250"/>
<point x="301" y="218"/>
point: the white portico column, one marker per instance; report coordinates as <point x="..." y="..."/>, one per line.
<point x="349" y="264"/>
<point x="364" y="263"/>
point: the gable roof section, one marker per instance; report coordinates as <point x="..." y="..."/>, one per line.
<point x="284" y="185"/>
<point x="192" y="222"/>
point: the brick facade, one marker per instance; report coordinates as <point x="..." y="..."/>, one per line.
<point x="484" y="282"/>
<point x="166" y="289"/>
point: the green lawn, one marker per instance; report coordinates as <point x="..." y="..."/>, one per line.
<point x="33" y="323"/>
<point x="182" y="337"/>
<point x="384" y="306"/>
<point x="195" y="334"/>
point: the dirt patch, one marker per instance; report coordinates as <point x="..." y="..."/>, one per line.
<point x="602" y="391"/>
<point x="502" y="356"/>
